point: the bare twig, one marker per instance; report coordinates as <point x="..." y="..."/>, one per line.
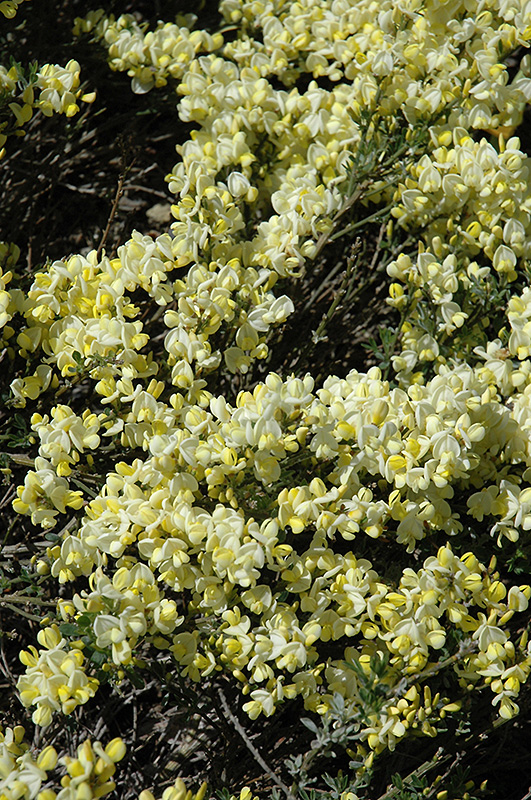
<point x="7" y="534"/>
<point x="5" y="669"/>
<point x="117" y="196"/>
<point x="7" y="496"/>
<point x="250" y="746"/>
<point x="374" y="260"/>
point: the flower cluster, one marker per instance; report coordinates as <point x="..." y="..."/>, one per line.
<point x="227" y="175"/>
<point x="16" y="107"/>
<point x="472" y="202"/>
<point x="262" y="567"/>
<point x="51" y="89"/>
<point x="150" y="58"/>
<point x="55" y="677"/>
<point x="59" y="89"/>
<point x="87" y="775"/>
<point x="45" y="495"/>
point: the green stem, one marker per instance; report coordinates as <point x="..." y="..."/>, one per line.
<point x="24" y="598"/>
<point x="20" y="611"/>
<point x="340" y="295"/>
<point x="84" y="487"/>
<point x="318" y="334"/>
<point x="360" y="223"/>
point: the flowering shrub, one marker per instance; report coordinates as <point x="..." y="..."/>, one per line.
<point x="250" y="534"/>
<point x="87" y="775"/>
<point x="58" y="93"/>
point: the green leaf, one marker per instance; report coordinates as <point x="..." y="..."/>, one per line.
<point x="69" y="629"/>
<point x="97" y="657"/>
<point x="136" y="679"/>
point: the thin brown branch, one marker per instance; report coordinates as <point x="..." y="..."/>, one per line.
<point x="117" y="196"/>
<point x="250" y="746"/>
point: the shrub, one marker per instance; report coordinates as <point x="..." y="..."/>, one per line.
<point x="219" y="520"/>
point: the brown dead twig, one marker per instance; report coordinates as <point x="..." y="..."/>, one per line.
<point x="252" y="749"/>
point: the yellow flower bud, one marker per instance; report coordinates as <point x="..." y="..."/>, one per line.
<point x="47" y="759"/>
<point x="116" y="749"/>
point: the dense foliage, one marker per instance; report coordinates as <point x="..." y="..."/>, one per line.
<point x="223" y="510"/>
